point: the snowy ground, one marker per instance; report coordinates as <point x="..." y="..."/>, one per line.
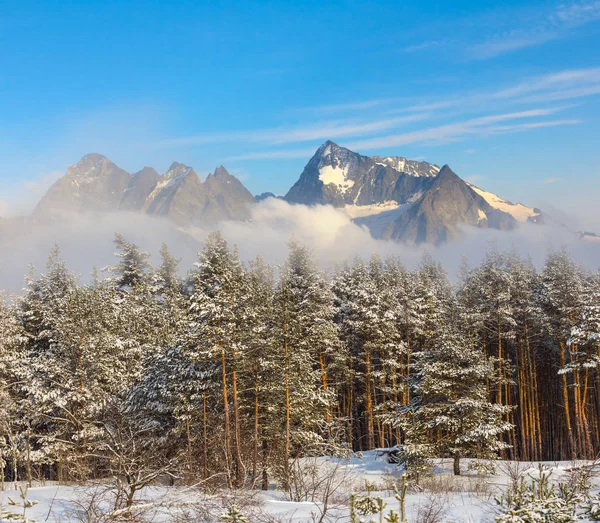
<point x="468" y="499"/>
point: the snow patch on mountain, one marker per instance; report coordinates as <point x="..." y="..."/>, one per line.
<point x="172" y="177"/>
<point x="410" y="167"/>
<point x="518" y="211"/>
<point x="337" y="175"/>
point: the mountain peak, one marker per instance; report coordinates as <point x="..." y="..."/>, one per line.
<point x="446" y="172"/>
<point x="221" y="172"/>
<point x="177" y="170"/>
<point x="176" y="165"/>
<point x="328" y="148"/>
<point x="88" y="163"/>
<point x="92" y="157"/>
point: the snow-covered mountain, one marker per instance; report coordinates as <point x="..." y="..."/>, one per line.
<point x="96" y="184"/>
<point x="340" y="177"/>
<point x="402" y="199"/>
<point x="396" y="198"/>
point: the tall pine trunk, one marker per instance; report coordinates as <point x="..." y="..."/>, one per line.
<point x="239" y="465"/>
<point x="227" y="442"/>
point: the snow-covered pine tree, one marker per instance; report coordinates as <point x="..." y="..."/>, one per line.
<point x="214" y="335"/>
<point x="263" y="381"/>
<point x="431" y="301"/>
<point x="392" y="370"/>
<point x="560" y="296"/>
<point x="306" y="337"/>
<point x="450" y="414"/>
<point x="133" y="264"/>
<point x="44" y="300"/>
<point x="167" y="274"/>
<point x="12" y="362"/>
<point x="486" y="295"/>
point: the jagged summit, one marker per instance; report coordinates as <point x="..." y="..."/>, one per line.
<point x="221" y="172"/>
<point x="395" y="197"/>
<point x="401" y="199"/>
<point x="90" y="160"/>
<point x="338" y="176"/>
<point x="90" y="165"/>
<point x="96" y="184"/>
<point x="411" y="167"/>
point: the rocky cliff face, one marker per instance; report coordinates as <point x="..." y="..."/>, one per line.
<point x="400" y="199"/>
<point x="140" y="186"/>
<point x="228" y="197"/>
<point x="436" y="217"/>
<point x="337" y="176"/>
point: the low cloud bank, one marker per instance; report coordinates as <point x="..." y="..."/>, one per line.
<point x="86" y="240"/>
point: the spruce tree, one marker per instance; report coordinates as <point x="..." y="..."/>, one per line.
<point x="450" y="415"/>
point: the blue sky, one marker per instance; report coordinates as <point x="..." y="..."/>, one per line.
<point x="507" y="94"/>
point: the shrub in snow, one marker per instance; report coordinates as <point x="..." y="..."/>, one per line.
<point x="538" y="501"/>
<point x="233" y="514"/>
<point x="22" y="505"/>
<point x="366" y="506"/>
<point x="591" y="509"/>
<point x="393" y="517"/>
<point x="482" y="467"/>
<point x="416" y="460"/>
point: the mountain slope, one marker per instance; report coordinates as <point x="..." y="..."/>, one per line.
<point x="400" y="199"/>
<point x="396" y="198"/>
<point x="229" y="199"/>
<point x="435" y="218"/>
<point x="96" y="184"/>
<point x="92" y="184"/>
<point x="140" y="186"/>
<point x="337" y="176"/>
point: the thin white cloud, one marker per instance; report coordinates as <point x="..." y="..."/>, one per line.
<point x="578" y="13"/>
<point x="511" y="41"/>
<point x="552" y="180"/>
<point x="350" y="106"/>
<point x="545" y="88"/>
<point x="483" y="125"/>
<point x="526" y="126"/>
<point x="325" y="130"/>
<point x="22" y="197"/>
<point x="271" y="155"/>
<point x="421" y="46"/>
<point x="561" y="80"/>
<point x="547" y="26"/>
<point x="42" y="184"/>
<point x="557" y="96"/>
<point x="450" y="132"/>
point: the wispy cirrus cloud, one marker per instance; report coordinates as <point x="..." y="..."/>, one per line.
<point x="272" y="155"/>
<point x="455" y="131"/>
<point x="422" y="46"/>
<point x="484" y="125"/>
<point x="553" y="81"/>
<point x="349" y="106"/>
<point x="418" y="121"/>
<point x="281" y="135"/>
<point x="551" y="180"/>
<point x="545" y="27"/>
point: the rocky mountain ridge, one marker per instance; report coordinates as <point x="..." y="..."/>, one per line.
<point x="97" y="184"/>
<point x="404" y="200"/>
<point x="396" y="198"/>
